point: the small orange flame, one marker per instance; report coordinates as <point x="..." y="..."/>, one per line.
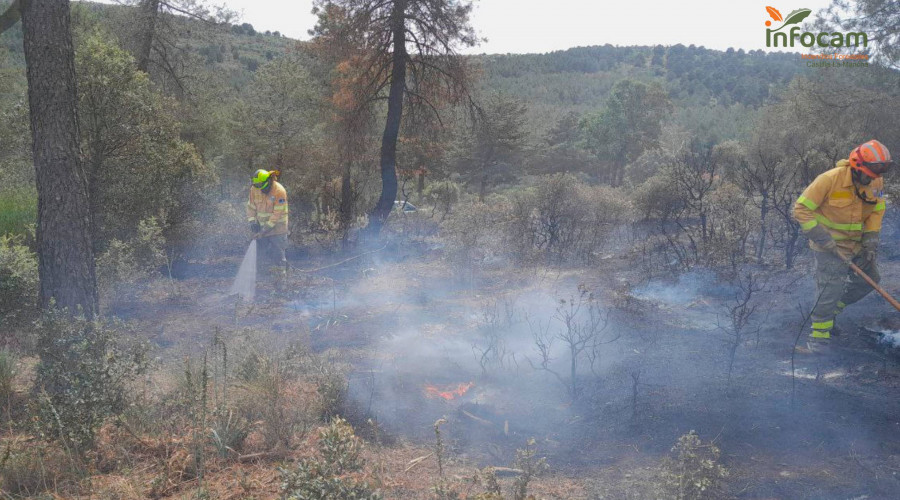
<point x="450" y="393"/>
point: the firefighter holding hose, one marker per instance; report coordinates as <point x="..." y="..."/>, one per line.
<point x="841" y="213"/>
<point x="267" y="213"/>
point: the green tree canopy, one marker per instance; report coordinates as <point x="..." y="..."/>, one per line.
<point x="629" y="125"/>
<point x="136" y="163"/>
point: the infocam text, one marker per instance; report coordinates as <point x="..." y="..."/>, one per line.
<point x="776" y="38"/>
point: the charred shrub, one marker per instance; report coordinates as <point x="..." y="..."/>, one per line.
<point x="563" y="220"/>
<point x="697" y="218"/>
<point x="410" y="227"/>
<point x="333" y="474"/>
<point x="731" y="222"/>
<point x="490" y="349"/>
<point x="85" y="366"/>
<point x="579" y="323"/>
<point x="18" y="280"/>
<point x="694" y="472"/>
<point x="470" y="235"/>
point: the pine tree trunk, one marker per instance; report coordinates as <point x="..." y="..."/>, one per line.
<point x="65" y="254"/>
<point x="150" y="10"/>
<point x="346" y="206"/>
<point x="392" y="125"/>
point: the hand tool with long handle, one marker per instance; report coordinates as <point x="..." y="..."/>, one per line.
<point x="869" y="280"/>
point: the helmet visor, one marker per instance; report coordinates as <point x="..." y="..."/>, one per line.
<point x="878" y="168"/>
<point x="260" y="185"/>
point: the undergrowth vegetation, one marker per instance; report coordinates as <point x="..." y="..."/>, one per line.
<point x="334" y="473"/>
<point x="18" y="281"/>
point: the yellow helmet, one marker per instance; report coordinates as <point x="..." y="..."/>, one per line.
<point x="261" y="179"/>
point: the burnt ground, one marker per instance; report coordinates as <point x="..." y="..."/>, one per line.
<point x="406" y="321"/>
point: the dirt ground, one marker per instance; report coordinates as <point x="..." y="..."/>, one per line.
<point x="407" y="320"/>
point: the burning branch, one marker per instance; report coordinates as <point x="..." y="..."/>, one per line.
<point x="450" y="393"/>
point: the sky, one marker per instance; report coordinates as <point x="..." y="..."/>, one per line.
<point x="536" y="26"/>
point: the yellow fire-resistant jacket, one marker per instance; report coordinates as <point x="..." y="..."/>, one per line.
<point x="831" y="201"/>
<point x="269" y="209"/>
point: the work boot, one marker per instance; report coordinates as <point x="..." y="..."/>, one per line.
<point x="817" y="342"/>
<point x="813" y="346"/>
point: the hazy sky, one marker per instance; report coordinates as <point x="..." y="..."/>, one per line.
<point x="546" y="25"/>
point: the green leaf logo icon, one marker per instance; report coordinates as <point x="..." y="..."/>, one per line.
<point x="796" y="16"/>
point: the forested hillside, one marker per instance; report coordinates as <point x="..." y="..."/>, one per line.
<point x="579" y="79"/>
<point x="554" y="84"/>
<point x="547" y="101"/>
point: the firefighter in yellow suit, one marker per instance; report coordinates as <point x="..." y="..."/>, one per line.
<point x="267" y="213"/>
<point x="841" y="212"/>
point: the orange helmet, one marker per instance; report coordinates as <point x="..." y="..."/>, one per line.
<point x="871" y="158"/>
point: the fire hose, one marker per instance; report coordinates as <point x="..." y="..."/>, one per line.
<point x="847" y="260"/>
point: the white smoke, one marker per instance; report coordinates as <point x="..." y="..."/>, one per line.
<point x="245" y="281"/>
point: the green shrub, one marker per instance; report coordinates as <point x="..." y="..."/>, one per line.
<point x="530" y="466"/>
<point x="656" y="198"/>
<point x="128" y="262"/>
<point x="442" y="195"/>
<point x="694" y="473"/>
<point x="7" y="374"/>
<point x="18" y="211"/>
<point x="134" y="156"/>
<point x="487" y="477"/>
<point x="18" y="280"/>
<point x="116" y="265"/>
<point x="328" y="476"/>
<point x="149" y="245"/>
<point x="83" y="376"/>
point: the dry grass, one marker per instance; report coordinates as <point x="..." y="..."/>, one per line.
<point x="128" y="467"/>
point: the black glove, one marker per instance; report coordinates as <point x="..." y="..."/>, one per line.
<point x="820" y="236"/>
<point x="255" y="227"/>
<point x="869" y="250"/>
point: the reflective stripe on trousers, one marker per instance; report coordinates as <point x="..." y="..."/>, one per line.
<point x="836" y="287"/>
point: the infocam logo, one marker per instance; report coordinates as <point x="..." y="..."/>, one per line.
<point x="778" y="38"/>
